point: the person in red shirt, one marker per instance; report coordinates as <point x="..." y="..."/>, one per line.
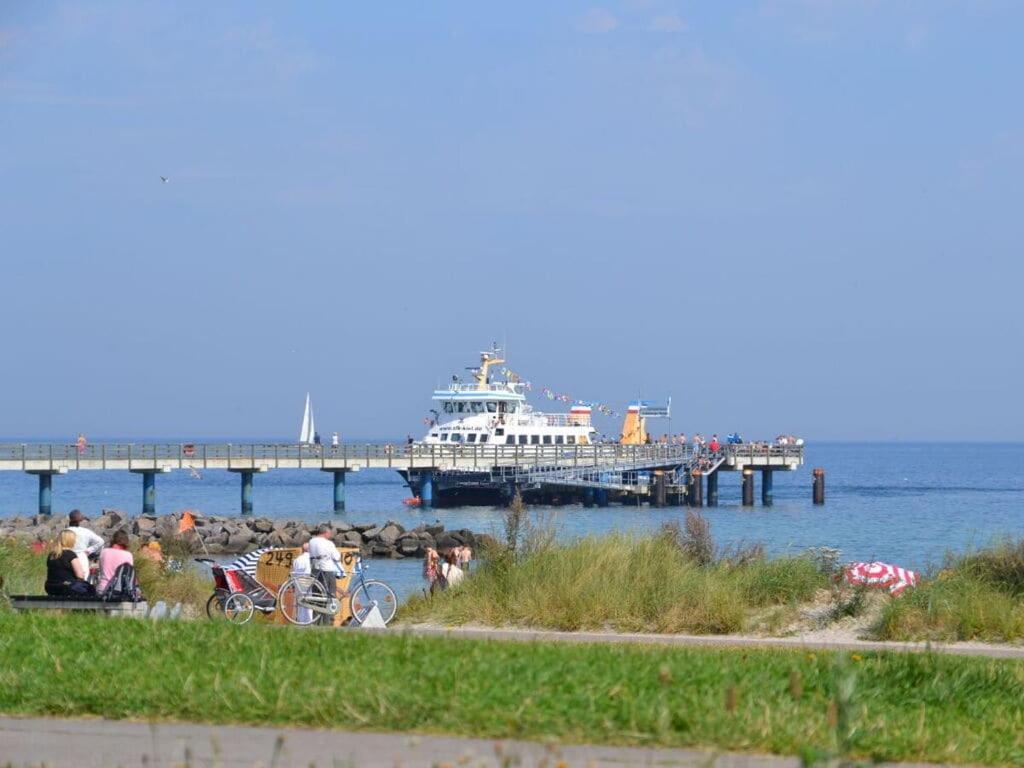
<point x="714" y="445"/>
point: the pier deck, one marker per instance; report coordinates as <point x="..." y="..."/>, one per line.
<point x="610" y="466"/>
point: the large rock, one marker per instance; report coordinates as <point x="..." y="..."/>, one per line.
<point x="237" y="542"/>
<point x="446" y="541"/>
<point x="370" y="533"/>
<point x="144" y="525"/>
<point x="389" y="534"/>
<point x="261" y="525"/>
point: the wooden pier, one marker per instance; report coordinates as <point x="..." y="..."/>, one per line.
<point x="604" y="467"/>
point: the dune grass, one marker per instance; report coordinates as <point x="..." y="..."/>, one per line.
<point x="620" y="582"/>
<point x="978" y="596"/>
<point x="881" y="706"/>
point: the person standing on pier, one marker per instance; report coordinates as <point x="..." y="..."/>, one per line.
<point x="80" y="443"/>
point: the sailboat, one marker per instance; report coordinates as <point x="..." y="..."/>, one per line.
<point x="308" y="431"/>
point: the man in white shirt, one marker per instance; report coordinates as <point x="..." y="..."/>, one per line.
<point x="87" y="543"/>
<point x="325" y="561"/>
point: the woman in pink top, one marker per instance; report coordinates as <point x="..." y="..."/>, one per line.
<point x="113" y="556"/>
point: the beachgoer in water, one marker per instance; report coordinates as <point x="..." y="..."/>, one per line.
<point x="112" y="557"/>
<point x="65" y="574"/>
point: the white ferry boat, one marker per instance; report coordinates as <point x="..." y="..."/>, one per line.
<point x="488" y="412"/>
<point x="491" y="410"/>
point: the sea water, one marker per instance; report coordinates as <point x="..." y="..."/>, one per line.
<point x="906" y="503"/>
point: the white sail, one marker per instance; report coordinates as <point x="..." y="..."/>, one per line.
<point x="308" y="424"/>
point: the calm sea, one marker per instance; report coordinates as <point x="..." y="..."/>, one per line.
<point x="906" y="503"/>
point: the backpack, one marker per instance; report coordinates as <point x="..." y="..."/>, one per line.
<point x="123" y="585"/>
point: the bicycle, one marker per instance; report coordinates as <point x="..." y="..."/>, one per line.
<point x="303" y="599"/>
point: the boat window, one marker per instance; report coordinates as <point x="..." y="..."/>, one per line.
<point x="492" y="407"/>
<point x="444" y="436"/>
<point x="477" y="407"/>
<point x="534" y="439"/>
<point x="559" y="440"/>
<point x="483" y="438"/>
<point x="448" y="408"/>
<point x="461" y="407"/>
<point x="571" y="439"/>
<point x="501" y="408"/>
<point x="499" y="431"/>
<point x="456" y="437"/>
<point x="510" y="440"/>
<point x="471" y="438"/>
<point x="522" y="439"/>
<point x="433" y="434"/>
<point x="547" y="439"/>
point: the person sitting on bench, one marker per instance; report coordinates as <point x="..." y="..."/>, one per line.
<point x="65" y="574"/>
<point x="113" y="556"/>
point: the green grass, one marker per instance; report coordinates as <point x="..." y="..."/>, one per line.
<point x="978" y="596"/>
<point x="885" y="706"/>
<point x="623" y="583"/>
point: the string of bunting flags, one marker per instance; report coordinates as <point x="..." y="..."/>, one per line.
<point x="561" y="397"/>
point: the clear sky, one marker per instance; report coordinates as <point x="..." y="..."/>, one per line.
<point x="799" y="216"/>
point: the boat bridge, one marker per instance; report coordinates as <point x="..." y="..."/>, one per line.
<point x="603" y="467"/>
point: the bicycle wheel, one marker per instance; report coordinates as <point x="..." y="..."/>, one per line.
<point x="238" y="608"/>
<point x="373" y="593"/>
<point x="302" y="600"/>
<point x="215" y="606"/>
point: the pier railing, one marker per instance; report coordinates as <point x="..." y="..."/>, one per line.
<point x="41" y="457"/>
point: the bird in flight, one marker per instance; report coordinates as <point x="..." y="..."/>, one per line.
<point x="164" y="179"/>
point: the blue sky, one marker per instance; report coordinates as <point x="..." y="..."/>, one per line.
<point x="793" y="216"/>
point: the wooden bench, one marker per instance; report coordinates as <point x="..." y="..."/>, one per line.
<point x="48" y="603"/>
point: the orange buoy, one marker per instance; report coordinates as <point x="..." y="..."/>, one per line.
<point x="415" y="501"/>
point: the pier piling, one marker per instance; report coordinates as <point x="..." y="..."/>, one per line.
<point x="601" y="497"/>
<point x="818" y="488"/>
<point x="748" y="487"/>
<point x="588" y="497"/>
<point x="696" y="493"/>
<point x="713" y="489"/>
<point x="246" y="492"/>
<point x="766" y="487"/>
<point x="45" y="493"/>
<point x="149" y="493"/>
<point x="660" y="489"/>
<point x="339" y="491"/>
<point x="427" y="489"/>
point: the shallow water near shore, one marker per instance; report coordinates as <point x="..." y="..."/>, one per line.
<point x="907" y="503"/>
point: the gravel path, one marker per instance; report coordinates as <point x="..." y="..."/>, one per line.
<point x="824" y="640"/>
<point x="104" y="744"/>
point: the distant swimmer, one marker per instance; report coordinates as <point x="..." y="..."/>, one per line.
<point x="164" y="179"/>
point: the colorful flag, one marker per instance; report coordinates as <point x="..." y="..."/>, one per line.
<point x="187" y="522"/>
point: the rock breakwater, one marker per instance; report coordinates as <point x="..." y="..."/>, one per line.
<point x="234" y="535"/>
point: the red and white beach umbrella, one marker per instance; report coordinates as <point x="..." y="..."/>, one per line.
<point x="883" y="575"/>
